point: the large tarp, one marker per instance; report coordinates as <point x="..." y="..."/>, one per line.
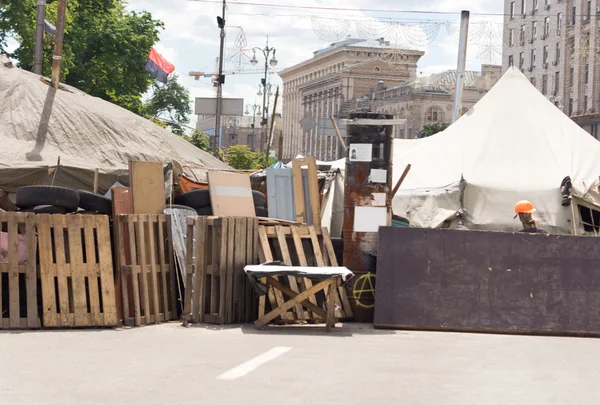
<point x="39" y="124"/>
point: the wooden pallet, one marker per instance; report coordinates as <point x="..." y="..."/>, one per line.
<point x="76" y="270"/>
<point x="18" y="278"/>
<point x="299" y="245"/>
<point x="147" y="269"/>
<point x="217" y="290"/>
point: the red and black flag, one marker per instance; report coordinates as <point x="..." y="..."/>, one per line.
<point x="158" y="66"/>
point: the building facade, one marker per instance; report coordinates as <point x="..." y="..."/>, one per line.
<point x="556" y="44"/>
<point x="242" y="130"/>
<point x="335" y="77"/>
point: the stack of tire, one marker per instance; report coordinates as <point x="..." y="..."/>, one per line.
<point x="60" y="200"/>
<point x="200" y="201"/>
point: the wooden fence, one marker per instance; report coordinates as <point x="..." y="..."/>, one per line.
<point x="18" y="272"/>
<point x="217" y="289"/>
<point x="76" y="270"/>
<point x="146" y="269"/>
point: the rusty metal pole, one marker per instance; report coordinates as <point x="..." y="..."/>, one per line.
<point x="369" y="148"/>
<point x="39" y="37"/>
<point x="58" y="42"/>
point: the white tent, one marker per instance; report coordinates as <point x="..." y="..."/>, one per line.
<point x="513" y="144"/>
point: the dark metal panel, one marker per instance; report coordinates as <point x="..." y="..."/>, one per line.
<point x="446" y="279"/>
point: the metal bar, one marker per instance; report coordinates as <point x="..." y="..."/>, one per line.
<point x="39" y="37"/>
<point x="462" y="61"/>
<point x="268" y="146"/>
<point x="58" y="42"/>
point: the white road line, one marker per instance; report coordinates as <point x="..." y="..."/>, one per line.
<point x="253" y="363"/>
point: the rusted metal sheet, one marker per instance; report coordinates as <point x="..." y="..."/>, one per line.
<point x="487" y="281"/>
<point x="360" y="248"/>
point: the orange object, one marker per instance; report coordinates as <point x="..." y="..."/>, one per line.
<point x="186" y="185"/>
<point x="524" y="207"/>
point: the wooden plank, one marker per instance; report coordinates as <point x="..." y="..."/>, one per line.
<point x="285" y="254"/>
<point x="170" y="293"/>
<point x="215" y="282"/>
<point x="230" y="269"/>
<point x="302" y="230"/>
<point x="302" y="258"/>
<point x="292" y="294"/>
<point x="121" y="205"/>
<point x="107" y="283"/>
<point x="241" y="229"/>
<point x="143" y="266"/>
<point x="33" y="319"/>
<point x="222" y="237"/>
<point x="188" y="301"/>
<point x="199" y="293"/>
<point x="151" y="237"/>
<point x="92" y="269"/>
<point x="75" y="226"/>
<point x="251" y="235"/>
<point x="230" y="194"/>
<point x="330" y="322"/>
<point x="47" y="271"/>
<point x="343" y="301"/>
<point x="122" y="238"/>
<point x="313" y="191"/>
<point x="135" y="270"/>
<point x="265" y="256"/>
<point x="147" y="183"/>
<point x="316" y="247"/>
<point x="292" y="302"/>
<point x="13" y="272"/>
<point x="298" y="191"/>
<point x="63" y="270"/>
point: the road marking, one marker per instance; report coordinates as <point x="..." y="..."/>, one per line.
<point x="253" y="363"/>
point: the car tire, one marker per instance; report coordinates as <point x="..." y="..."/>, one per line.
<point x="259" y="199"/>
<point x="204" y="211"/>
<point x="48" y="209"/>
<point x="34" y="196"/>
<point x="261" y="212"/>
<point x="94" y="202"/>
<point x="194" y="199"/>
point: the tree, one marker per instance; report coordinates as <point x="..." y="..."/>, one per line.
<point x="431" y="129"/>
<point x="105" y="46"/>
<point x="172" y="102"/>
<point x="199" y="139"/>
<point x="241" y="157"/>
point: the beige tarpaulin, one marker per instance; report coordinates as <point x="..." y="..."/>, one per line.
<point x="38" y="124"/>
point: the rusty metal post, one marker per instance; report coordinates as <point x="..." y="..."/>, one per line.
<point x="58" y="42"/>
<point x="366" y="185"/>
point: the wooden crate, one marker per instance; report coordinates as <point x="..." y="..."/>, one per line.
<point x="18" y="275"/>
<point x="76" y="270"/>
<point x="147" y="269"/>
<point x="299" y="245"/>
<point x="217" y="289"/>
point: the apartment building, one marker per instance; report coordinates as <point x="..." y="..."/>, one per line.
<point x="556" y="44"/>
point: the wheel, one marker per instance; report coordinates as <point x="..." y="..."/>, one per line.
<point x="34" y="196"/>
<point x="259" y="199"/>
<point x="178" y="207"/>
<point x="195" y="199"/>
<point x="204" y="211"/>
<point x="48" y="209"/>
<point x="261" y="212"/>
<point x="94" y="202"/>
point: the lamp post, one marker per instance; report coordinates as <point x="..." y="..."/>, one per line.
<point x="254" y="108"/>
<point x="266" y="51"/>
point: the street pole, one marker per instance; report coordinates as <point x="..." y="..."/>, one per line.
<point x="268" y="146"/>
<point x="217" y="140"/>
<point x="265" y="113"/>
<point x="58" y="42"/>
<point x="462" y="61"/>
<point x="39" y="37"/>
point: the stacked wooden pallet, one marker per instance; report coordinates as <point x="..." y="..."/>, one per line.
<point x="217" y="290"/>
<point x="299" y="245"/>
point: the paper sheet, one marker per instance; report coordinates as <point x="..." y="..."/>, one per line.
<point x="369" y="219"/>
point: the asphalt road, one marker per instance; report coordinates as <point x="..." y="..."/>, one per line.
<point x="170" y="364"/>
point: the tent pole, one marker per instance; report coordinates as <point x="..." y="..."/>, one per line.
<point x="462" y="61"/>
<point x="58" y="42"/>
<point x="39" y="37"/>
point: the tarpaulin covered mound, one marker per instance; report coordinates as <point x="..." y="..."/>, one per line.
<point x="38" y="124"/>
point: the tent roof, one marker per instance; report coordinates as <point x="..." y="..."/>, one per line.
<point x="38" y="124"/>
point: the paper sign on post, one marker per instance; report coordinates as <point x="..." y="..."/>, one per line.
<point x="361" y="152"/>
<point x="378" y="176"/>
<point x="369" y="219"/>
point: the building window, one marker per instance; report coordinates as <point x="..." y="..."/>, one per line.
<point x="533" y="58"/>
<point x="590" y="219"/>
<point x="589" y="11"/>
<point x="586" y="74"/>
<point x="558" y="23"/>
<point x="512" y="10"/>
<point x="546" y="27"/>
<point x="434" y="114"/>
<point x="521" y="60"/>
<point x="522" y="37"/>
<point x="535" y="5"/>
<point x="546" y="55"/>
<point x="573" y="15"/>
<point x="570" y="106"/>
<point x="556" y="82"/>
<point x="534" y="30"/>
<point x="523" y="7"/>
<point x="572" y="78"/>
<point x="376" y="69"/>
<point x="544" y="84"/>
<point x="511" y="61"/>
<point x="511" y="37"/>
<point x="585" y="104"/>
<point x="547" y="4"/>
<point x="557" y="53"/>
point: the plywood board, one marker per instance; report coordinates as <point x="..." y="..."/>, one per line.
<point x="147" y="184"/>
<point x="231" y="194"/>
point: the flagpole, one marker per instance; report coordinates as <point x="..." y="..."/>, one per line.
<point x="39" y="37"/>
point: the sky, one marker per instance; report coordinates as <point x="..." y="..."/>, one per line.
<point x="190" y="39"/>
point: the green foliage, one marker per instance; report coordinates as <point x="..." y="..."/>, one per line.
<point x="105" y="47"/>
<point x="431" y="129"/>
<point x="241" y="157"/>
<point x="171" y="101"/>
<point x="199" y="139"/>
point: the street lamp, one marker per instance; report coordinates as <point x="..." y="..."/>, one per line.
<point x="266" y="88"/>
